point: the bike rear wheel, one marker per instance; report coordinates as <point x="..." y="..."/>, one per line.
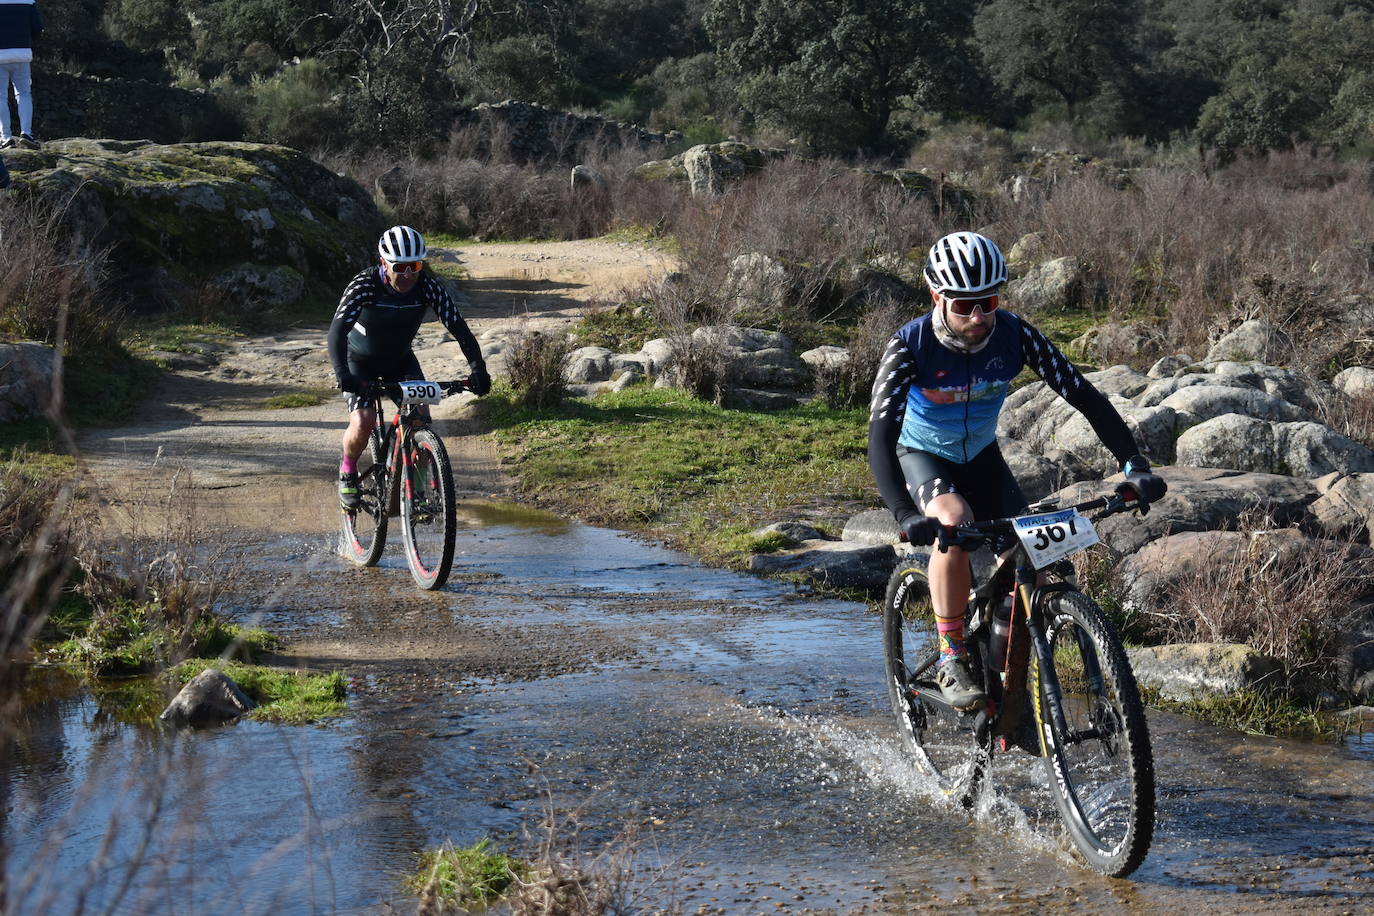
<point x="940" y="740"/>
<point x="429" y="517"/>
<point x="364" y="528"/>
<point x="1100" y="767"/>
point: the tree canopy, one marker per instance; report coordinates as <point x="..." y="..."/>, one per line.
<point x="839" y="75"/>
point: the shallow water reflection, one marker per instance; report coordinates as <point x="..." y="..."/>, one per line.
<point x="737" y="725"/>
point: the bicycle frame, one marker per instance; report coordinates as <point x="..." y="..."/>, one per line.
<point x="396" y="436"/>
<point x="1029" y="595"/>
<point x="1063" y="691"/>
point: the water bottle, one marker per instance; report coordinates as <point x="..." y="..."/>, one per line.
<point x="1000" y="635"/>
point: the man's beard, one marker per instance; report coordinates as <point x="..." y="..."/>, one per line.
<point x="956" y="341"/>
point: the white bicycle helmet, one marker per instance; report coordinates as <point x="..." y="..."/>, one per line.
<point x="965" y="262"/>
<point x="401" y="243"/>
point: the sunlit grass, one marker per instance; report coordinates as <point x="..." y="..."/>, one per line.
<point x="465" y="876"/>
<point x="697" y="474"/>
<point x="309" y="398"/>
<point x="283" y="695"/>
<point x="1255" y="713"/>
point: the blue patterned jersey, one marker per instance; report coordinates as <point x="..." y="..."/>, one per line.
<point x="934" y="399"/>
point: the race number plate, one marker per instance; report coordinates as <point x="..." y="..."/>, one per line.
<point x="421" y="393"/>
<point x="1054" y="535"/>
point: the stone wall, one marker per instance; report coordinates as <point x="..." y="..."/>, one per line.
<point x="71" y="105"/>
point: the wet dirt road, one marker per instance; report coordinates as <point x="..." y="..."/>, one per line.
<point x="735" y="726"/>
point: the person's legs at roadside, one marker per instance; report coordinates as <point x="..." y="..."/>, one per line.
<point x="22" y="77"/>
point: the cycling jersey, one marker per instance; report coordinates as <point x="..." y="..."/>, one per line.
<point x="376" y="325"/>
<point x="929" y="398"/>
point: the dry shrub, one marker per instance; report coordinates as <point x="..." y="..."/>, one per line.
<point x="816" y="219"/>
<point x="160" y="580"/>
<point x="1293" y="600"/>
<point x="969" y="153"/>
<point x="701" y="362"/>
<point x="475" y="188"/>
<point x="850" y="384"/>
<point x="569" y="879"/>
<point x="1205" y="252"/>
<point x="40" y="527"/>
<point x="701" y="365"/>
<point x="1353" y="416"/>
<point x="52" y="283"/>
<point x="535" y="367"/>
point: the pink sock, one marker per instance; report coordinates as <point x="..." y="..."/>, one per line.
<point x="348" y="465"/>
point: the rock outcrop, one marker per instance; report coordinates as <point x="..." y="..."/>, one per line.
<point x="177" y="217"/>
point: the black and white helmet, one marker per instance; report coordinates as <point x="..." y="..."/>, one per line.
<point x="965" y="262"/>
<point x="401" y="243"/>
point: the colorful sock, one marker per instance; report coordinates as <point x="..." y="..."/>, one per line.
<point x="349" y="465"/>
<point x="951" y="634"/>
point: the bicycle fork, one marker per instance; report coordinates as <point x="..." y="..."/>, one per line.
<point x="1045" y="668"/>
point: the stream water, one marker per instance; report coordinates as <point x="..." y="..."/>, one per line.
<point x="723" y="738"/>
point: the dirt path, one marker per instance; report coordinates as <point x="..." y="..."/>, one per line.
<point x="251" y="467"/>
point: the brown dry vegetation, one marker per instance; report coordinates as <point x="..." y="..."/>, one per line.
<point x="1291" y="599"/>
<point x="52" y="284"/>
<point x="1188" y="250"/>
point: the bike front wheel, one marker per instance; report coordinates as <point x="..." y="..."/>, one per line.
<point x="1100" y="766"/>
<point x="429" y="517"/>
<point x="364" y="528"/>
<point x="941" y="741"/>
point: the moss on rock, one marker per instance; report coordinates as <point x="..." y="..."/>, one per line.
<point x="177" y="215"/>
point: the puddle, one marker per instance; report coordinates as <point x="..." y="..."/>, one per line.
<point x="737" y="726"/>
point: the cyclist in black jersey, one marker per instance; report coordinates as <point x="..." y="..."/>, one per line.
<point x="373" y="329"/>
<point x="932" y="432"/>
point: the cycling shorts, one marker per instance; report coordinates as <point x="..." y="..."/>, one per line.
<point x="404" y="369"/>
<point x="985" y="482"/>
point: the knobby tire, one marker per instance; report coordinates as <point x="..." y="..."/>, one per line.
<point x="1101" y="771"/>
<point x="364" y="529"/>
<point x="941" y="741"/>
<point x="429" y="516"/>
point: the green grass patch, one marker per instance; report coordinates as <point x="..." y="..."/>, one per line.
<point x="447" y="240"/>
<point x="624" y="329"/>
<point x="701" y="476"/>
<point x="283" y="695"/>
<point x="1064" y="327"/>
<point x="309" y="398"/>
<point x="130" y="638"/>
<point x="773" y="540"/>
<point x="173" y="336"/>
<point x="467" y="876"/>
<point x="1256" y="713"/>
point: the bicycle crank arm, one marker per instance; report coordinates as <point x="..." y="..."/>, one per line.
<point x="983" y="720"/>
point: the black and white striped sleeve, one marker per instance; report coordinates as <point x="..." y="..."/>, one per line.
<point x="360" y="291"/>
<point x="443" y="306"/>
<point x="886" y="410"/>
<point x="1049" y="362"/>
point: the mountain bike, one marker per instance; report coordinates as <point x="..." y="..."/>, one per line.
<point x="1058" y="682"/>
<point x="405" y="471"/>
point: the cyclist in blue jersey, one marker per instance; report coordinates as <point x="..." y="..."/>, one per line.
<point x="932" y="432"/>
<point x="371" y="336"/>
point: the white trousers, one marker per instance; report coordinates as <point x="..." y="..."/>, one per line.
<point x="18" y="76"/>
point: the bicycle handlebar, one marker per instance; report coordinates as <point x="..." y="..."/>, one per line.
<point x="393" y="389"/>
<point x="971" y="535"/>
